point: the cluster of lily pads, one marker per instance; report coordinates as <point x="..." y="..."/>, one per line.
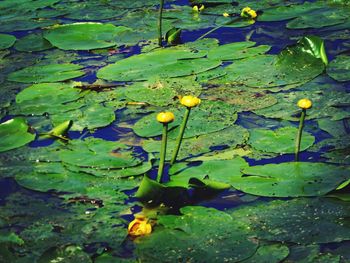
<point x="81" y="85"/>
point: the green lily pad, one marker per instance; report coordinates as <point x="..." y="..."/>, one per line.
<point x="48" y="97"/>
<point x="90" y="117"/>
<point x="291" y="179"/>
<point x="242" y="100"/>
<point x="216" y="170"/>
<point x="164" y="63"/>
<point x="6" y="41"/>
<point x="46" y="73"/>
<point x="32" y="42"/>
<point x="84" y="36"/>
<point x="237" y="50"/>
<point x="339" y="68"/>
<point x="200" y="233"/>
<point x="227" y="138"/>
<point x="97" y="153"/>
<point x="327" y="100"/>
<point x="279" y="141"/>
<point x="14" y="133"/>
<point x="300" y="221"/>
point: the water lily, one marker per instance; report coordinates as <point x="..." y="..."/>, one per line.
<point x="189" y="102"/>
<point x="165" y="118"/>
<point x="247" y="12"/>
<point x="226" y="14"/>
<point x="140" y="226"/>
<point x="304" y="104"/>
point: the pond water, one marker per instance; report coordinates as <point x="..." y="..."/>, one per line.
<point x="81" y="85"/>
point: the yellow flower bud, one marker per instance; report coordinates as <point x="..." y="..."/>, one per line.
<point x="226" y="14"/>
<point x="247" y="12"/>
<point x="165" y="117"/>
<point x="139" y="227"/>
<point x="190" y="101"/>
<point x="197" y="9"/>
<point x="304" y="104"/>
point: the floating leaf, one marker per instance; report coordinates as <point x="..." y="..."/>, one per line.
<point x="164" y="63"/>
<point x="69" y="254"/>
<point x="237" y="50"/>
<point x="269" y="253"/>
<point x="6" y="41"/>
<point x="46" y="73"/>
<point x="279" y="141"/>
<point x="32" y="42"/>
<point x="339" y="68"/>
<point x="97" y="153"/>
<point x="300" y="221"/>
<point x="196" y="235"/>
<point x="216" y="170"/>
<point x="48" y="98"/>
<point x="14" y="133"/>
<point x="241" y="99"/>
<point x="84" y="36"/>
<point x="291" y="179"/>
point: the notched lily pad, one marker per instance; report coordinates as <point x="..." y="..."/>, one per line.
<point x="281" y="140"/>
<point x="339" y="69"/>
<point x="291" y="179"/>
<point x="84" y="36"/>
<point x="47" y="73"/>
<point x="6" y="41"/>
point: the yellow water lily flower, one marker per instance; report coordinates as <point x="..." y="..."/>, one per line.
<point x="247" y="12"/>
<point x="305" y="104"/>
<point x="139" y="226"/>
<point x="165" y="117"/>
<point x="226" y="14"/>
<point x="190" y="101"/>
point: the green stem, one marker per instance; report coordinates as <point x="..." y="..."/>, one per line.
<point x="162" y="153"/>
<point x="180" y="136"/>
<point x="300" y="132"/>
<point x="160" y="23"/>
<point x="218" y="27"/>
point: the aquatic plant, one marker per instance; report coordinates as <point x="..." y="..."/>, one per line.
<point x="189" y="102"/>
<point x="165" y="118"/>
<point x="140" y="226"/>
<point x="160" y="18"/>
<point x="304" y="104"/>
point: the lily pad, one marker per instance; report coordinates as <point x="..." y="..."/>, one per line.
<point x="6" y="41"/>
<point x="269" y="253"/>
<point x="46" y="73"/>
<point x="97" y="153"/>
<point x="86" y="117"/>
<point x="14" y="133"/>
<point x="291" y="179"/>
<point x="70" y="254"/>
<point x="237" y="50"/>
<point x="300" y="221"/>
<point x="216" y="170"/>
<point x="32" y="42"/>
<point x="339" y="68"/>
<point x="200" y="233"/>
<point x="164" y="63"/>
<point x="84" y="36"/>
<point x="241" y="99"/>
<point x="48" y="98"/>
<point x="281" y="140"/>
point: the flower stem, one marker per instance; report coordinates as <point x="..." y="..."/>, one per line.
<point x="162" y="153"/>
<point x="218" y="27"/>
<point x="300" y="132"/>
<point x="160" y="23"/>
<point x="180" y="136"/>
